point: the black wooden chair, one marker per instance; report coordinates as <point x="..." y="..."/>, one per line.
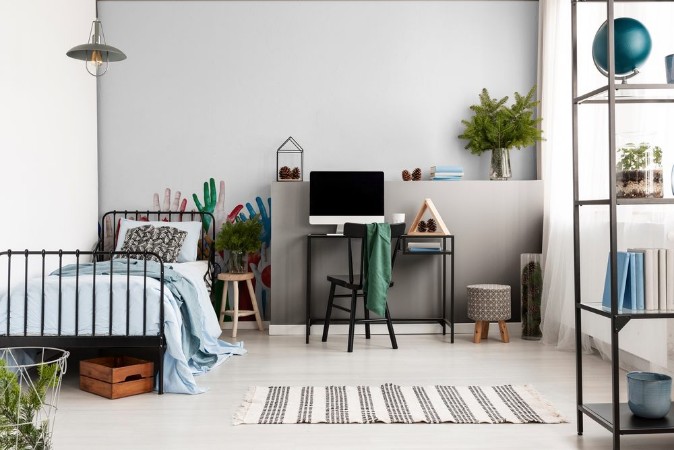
<point x="354" y="283"/>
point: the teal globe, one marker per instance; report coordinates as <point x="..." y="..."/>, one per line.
<point x="632" y="45"/>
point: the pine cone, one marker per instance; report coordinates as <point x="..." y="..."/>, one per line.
<point x="421" y="227"/>
<point x="416" y="175"/>
<point x="406" y="175"/>
<point x="284" y="173"/>
<point x="296" y="173"/>
<point x="432" y="226"/>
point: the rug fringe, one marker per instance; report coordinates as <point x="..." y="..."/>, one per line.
<point x="240" y="414"/>
<point x="550" y="410"/>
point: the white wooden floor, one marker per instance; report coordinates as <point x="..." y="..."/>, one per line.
<point x="149" y="421"/>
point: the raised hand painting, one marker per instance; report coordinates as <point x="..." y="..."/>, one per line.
<point x="214" y="203"/>
<point x="176" y="205"/>
<point x="260" y="264"/>
<point x="215" y="207"/>
<point x="265" y="217"/>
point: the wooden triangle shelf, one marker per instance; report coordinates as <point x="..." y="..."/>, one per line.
<point x="435" y="215"/>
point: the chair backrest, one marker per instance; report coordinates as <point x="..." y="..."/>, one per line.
<point x="359" y="231"/>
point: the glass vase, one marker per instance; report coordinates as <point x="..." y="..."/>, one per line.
<point x="531" y="291"/>
<point x="639" y="171"/>
<point x="499" y="167"/>
<point x="236" y="262"/>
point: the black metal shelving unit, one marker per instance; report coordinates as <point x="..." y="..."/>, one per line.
<point x="614" y="416"/>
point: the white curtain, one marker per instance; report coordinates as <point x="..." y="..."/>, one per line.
<point x="647" y="226"/>
<point x="554" y="88"/>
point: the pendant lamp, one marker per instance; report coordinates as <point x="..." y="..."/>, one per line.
<point x="96" y="52"/>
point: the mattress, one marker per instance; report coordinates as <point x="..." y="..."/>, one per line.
<point x="82" y="321"/>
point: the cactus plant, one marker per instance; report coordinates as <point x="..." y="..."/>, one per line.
<point x="532" y="294"/>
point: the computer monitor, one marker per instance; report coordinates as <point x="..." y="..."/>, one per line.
<point x="336" y="197"/>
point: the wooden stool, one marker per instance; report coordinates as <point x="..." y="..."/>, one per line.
<point x="236" y="312"/>
<point x="489" y="303"/>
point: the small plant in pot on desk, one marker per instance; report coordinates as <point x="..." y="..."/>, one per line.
<point x="639" y="171"/>
<point x="239" y="238"/>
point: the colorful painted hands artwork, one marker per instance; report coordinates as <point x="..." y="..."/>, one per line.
<point x="108" y="242"/>
<point x="213" y="203"/>
<point x="265" y="217"/>
<point x="176" y="205"/>
<point x="260" y="264"/>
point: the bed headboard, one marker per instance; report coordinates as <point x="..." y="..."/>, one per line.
<point x="206" y="247"/>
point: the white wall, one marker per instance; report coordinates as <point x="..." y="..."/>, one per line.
<point x="212" y="88"/>
<point x="48" y="122"/>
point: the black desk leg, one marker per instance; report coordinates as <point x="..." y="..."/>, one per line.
<point x="451" y="293"/>
<point x="444" y="285"/>
<point x="307" y="319"/>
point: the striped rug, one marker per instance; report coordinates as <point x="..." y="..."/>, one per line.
<point x="390" y="403"/>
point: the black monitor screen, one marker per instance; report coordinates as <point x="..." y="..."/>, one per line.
<point x="346" y="194"/>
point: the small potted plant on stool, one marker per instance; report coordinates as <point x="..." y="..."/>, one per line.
<point x="239" y="238"/>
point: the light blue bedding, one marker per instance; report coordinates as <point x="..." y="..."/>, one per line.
<point x="191" y="332"/>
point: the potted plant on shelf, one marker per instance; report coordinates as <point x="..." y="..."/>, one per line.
<point x="239" y="238"/>
<point x="497" y="127"/>
<point x="639" y="171"/>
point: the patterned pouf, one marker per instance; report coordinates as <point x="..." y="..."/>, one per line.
<point x="489" y="303"/>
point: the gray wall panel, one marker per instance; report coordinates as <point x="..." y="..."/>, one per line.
<point x="494" y="222"/>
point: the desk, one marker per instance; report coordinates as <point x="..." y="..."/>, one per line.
<point x="447" y="250"/>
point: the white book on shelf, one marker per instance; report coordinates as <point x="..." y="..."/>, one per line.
<point x="651" y="269"/>
<point x="670" y="280"/>
<point x="662" y="278"/>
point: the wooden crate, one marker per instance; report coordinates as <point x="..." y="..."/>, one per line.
<point x="116" y="376"/>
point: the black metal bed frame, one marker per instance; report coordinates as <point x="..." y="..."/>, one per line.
<point x="99" y="256"/>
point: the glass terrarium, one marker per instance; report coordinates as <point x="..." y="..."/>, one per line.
<point x="289" y="161"/>
<point x="531" y="291"/>
<point x="639" y="171"/>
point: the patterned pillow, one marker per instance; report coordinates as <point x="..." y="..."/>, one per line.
<point x="138" y="240"/>
<point x="164" y="241"/>
<point x="167" y="242"/>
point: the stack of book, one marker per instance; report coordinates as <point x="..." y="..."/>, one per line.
<point x="446" y="173"/>
<point x="424" y="246"/>
<point x="645" y="280"/>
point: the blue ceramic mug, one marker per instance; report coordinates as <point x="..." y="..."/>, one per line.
<point x="649" y="394"/>
<point x="669" y="65"/>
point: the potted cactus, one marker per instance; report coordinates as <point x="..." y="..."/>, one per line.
<point x="532" y="295"/>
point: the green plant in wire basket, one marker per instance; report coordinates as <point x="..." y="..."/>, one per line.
<point x="21" y="426"/>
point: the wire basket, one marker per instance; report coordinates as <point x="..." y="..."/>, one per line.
<point x="30" y="382"/>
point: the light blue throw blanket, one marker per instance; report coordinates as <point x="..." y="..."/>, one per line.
<point x="201" y="350"/>
<point x="377" y="266"/>
<point x="182" y="290"/>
